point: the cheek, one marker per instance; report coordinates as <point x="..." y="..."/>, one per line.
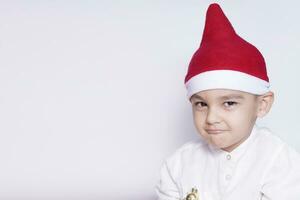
<point x="242" y="120"/>
<point x="199" y="119"/>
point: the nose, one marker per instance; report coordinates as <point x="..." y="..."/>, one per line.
<point x="212" y="116"/>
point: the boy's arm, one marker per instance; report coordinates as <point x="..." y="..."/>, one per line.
<point x="167" y="188"/>
<point x="282" y="180"/>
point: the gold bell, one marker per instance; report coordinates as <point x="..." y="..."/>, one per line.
<point x="192" y="195"/>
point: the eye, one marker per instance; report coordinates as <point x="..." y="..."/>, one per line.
<point x="230" y="103"/>
<point x="200" y="104"/>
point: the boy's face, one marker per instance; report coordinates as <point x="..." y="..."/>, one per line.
<point x="225" y="118"/>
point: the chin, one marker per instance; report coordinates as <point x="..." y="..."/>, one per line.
<point x="220" y="145"/>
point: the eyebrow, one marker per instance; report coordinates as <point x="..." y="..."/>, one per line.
<point x="225" y="97"/>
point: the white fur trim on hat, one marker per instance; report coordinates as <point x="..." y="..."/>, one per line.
<point x="226" y="79"/>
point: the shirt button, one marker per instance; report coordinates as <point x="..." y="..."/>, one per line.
<point x="227" y="177"/>
<point x="228" y="157"/>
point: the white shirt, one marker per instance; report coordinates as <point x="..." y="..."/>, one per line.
<point x="262" y="168"/>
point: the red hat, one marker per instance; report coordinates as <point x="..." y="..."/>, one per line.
<point x="224" y="60"/>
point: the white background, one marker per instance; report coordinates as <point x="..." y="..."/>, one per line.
<point x="92" y="96"/>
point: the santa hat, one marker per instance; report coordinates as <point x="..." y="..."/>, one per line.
<point x="224" y="60"/>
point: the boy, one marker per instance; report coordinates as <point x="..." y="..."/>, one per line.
<point x="228" y="88"/>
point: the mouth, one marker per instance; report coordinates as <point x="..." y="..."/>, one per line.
<point x="214" y="131"/>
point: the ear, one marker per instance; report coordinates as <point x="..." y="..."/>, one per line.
<point x="265" y="103"/>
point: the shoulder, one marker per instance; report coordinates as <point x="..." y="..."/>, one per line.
<point x="172" y="170"/>
<point x="184" y="154"/>
<point x="278" y="153"/>
<point x="282" y="171"/>
<point x="269" y="148"/>
<point x="188" y="149"/>
<point x="267" y="141"/>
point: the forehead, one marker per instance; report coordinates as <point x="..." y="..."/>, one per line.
<point x="222" y="94"/>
